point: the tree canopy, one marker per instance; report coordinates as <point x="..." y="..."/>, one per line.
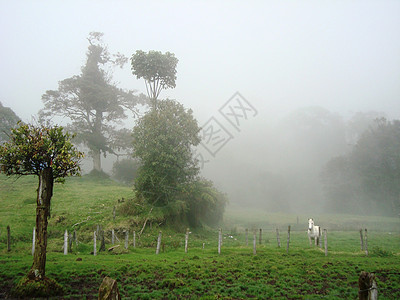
<point x="157" y="69"/>
<point x="94" y="104"/>
<point x="162" y="141"/>
<point x="367" y="179"/>
<point x="8" y="119"/>
<point x="35" y="148"/>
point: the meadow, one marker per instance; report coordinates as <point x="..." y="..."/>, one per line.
<point x="303" y="272"/>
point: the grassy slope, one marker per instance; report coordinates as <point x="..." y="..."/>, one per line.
<point x="236" y="273"/>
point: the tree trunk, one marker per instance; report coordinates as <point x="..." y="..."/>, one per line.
<point x="97" y="160"/>
<point x="44" y="194"/>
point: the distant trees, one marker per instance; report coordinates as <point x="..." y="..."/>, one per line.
<point x="369" y="176"/>
<point x="93" y="103"/>
<point x="158" y="71"/>
<point x="8" y="120"/>
<point x="48" y="153"/>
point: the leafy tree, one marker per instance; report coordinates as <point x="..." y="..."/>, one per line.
<point x="158" y="71"/>
<point x="125" y="170"/>
<point x="163" y="141"/>
<point x="205" y="203"/>
<point x="376" y="158"/>
<point x="367" y="179"/>
<point x="8" y="119"/>
<point x="94" y="104"/>
<point x="48" y="153"/>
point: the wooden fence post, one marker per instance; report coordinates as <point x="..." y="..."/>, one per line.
<point x="126" y="239"/>
<point x="247" y="237"/>
<point x="277" y="238"/>
<point x="94" y="244"/>
<point x="66" y="242"/>
<point x="326" y="241"/>
<point x="75" y="238"/>
<point x="260" y="239"/>
<point x="112" y="236"/>
<point x="8" y="238"/>
<point x="186" y="240"/>
<point x="361" y="240"/>
<point x="103" y="243"/>
<point x="33" y="240"/>
<point x="134" y="239"/>
<point x="368" y="289"/>
<point x="366" y="242"/>
<point x="288" y="240"/>
<point x="114" y="213"/>
<point x="219" y="240"/>
<point x="158" y="242"/>
<point x="70" y="240"/>
<point x="254" y="242"/>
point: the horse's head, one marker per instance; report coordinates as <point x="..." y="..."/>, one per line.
<point x="310" y="224"/>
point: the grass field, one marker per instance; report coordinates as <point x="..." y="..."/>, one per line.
<point x="302" y="273"/>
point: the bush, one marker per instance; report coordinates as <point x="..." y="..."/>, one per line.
<point x="125" y="170"/>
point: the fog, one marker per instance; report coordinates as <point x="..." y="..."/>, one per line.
<point x="288" y="60"/>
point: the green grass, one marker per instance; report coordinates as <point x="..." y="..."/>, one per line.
<point x="303" y="273"/>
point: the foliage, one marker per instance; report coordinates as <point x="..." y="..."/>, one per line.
<point x="37" y="288"/>
<point x="162" y="141"/>
<point x="93" y="103"/>
<point x="34" y="148"/>
<point x="125" y="170"/>
<point x="368" y="177"/>
<point x="158" y="71"/>
<point x="8" y="120"/>
<point x="206" y="204"/>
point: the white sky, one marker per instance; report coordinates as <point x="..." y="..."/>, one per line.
<point x="280" y="55"/>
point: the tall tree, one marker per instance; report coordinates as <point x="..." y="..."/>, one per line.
<point x="48" y="153"/>
<point x="158" y="71"/>
<point x="163" y="141"/>
<point x="367" y="180"/>
<point x="8" y="119"/>
<point x="93" y="103"/>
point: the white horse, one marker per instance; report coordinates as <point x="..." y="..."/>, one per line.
<point x="313" y="232"/>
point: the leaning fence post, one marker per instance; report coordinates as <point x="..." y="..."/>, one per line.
<point x="219" y="240"/>
<point x="66" y="242"/>
<point x="158" y="242"/>
<point x="366" y="242"/>
<point x="247" y="237"/>
<point x="254" y="242"/>
<point x="361" y="240"/>
<point x="33" y="240"/>
<point x="288" y="240"/>
<point x="75" y="238"/>
<point x="114" y="213"/>
<point x="186" y="240"/>
<point x="326" y="242"/>
<point x="126" y="239"/>
<point x="277" y="238"/>
<point x="368" y="289"/>
<point x="70" y="243"/>
<point x="8" y="238"/>
<point x="94" y="244"/>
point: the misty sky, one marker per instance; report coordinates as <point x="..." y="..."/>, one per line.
<point x="280" y="55"/>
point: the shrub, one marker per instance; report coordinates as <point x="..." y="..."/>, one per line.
<point x="125" y="170"/>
